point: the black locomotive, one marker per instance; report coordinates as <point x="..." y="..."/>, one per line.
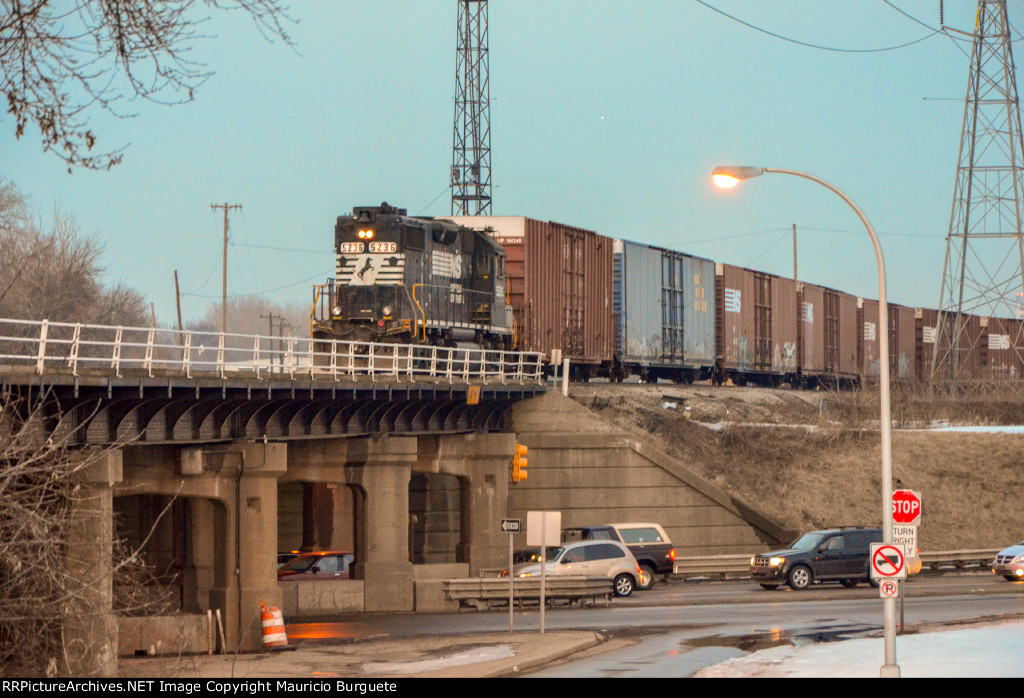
<point x="411" y="280"/>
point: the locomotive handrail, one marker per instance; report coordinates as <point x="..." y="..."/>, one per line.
<point x="423" y="314"/>
<point x="73" y="347"/>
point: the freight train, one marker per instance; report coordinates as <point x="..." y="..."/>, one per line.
<point x="617" y="308"/>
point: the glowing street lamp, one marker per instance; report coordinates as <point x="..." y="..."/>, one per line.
<point x="730" y="176"/>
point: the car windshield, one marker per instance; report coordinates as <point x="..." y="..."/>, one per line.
<point x="300" y="564"/>
<point x="551" y="554"/>
<point x="808" y="541"/>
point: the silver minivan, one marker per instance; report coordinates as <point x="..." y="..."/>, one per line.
<point x="590" y="558"/>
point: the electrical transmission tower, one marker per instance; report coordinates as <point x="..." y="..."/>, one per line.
<point x="984" y="267"/>
<point x="471" y="152"/>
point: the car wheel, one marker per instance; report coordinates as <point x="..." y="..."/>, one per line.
<point x="646" y="578"/>
<point x="1009" y="577"/>
<point x="624" y="585"/>
<point x="770" y="587"/>
<point x="799" y="578"/>
<point x="849" y="583"/>
<point x="873" y="582"/>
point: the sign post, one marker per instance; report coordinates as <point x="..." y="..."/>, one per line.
<point x="543" y="528"/>
<point x="510" y="526"/>
<point x="906" y="514"/>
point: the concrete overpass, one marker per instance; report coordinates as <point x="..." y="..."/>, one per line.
<point x="401" y="456"/>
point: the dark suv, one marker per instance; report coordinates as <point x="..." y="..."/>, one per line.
<point x="834" y="555"/>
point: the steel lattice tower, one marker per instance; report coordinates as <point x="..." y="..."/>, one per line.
<point x="984" y="267"/>
<point x="471" y="151"/>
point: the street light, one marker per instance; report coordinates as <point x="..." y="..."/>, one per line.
<point x="728" y="177"/>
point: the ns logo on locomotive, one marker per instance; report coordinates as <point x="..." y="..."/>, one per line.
<point x="411" y="280"/>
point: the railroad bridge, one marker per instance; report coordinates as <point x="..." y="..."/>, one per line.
<point x="211" y="453"/>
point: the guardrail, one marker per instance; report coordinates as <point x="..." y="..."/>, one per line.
<point x="47" y="347"/>
<point x="739" y="565"/>
<point x="484" y="593"/>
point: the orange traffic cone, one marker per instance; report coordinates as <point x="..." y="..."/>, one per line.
<point x="274" y="636"/>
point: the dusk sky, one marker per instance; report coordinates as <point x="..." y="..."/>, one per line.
<point x="605" y="115"/>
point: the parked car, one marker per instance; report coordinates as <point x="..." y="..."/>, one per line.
<point x="648" y="542"/>
<point x="321" y="565"/>
<point x="1009" y="562"/>
<point x="832" y="555"/>
<point x="589" y="558"/>
<point x="287" y="556"/>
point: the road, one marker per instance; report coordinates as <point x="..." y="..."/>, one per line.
<point x="679" y="627"/>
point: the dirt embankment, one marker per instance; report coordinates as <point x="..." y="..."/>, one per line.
<point x="812" y="459"/>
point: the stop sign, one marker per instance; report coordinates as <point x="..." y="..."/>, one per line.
<point x="906" y="507"/>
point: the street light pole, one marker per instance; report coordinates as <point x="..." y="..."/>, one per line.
<point x="730" y="177"/>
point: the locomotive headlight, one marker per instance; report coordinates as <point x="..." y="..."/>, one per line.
<point x="387" y="309"/>
<point x="336" y="310"/>
<point x="365" y="234"/>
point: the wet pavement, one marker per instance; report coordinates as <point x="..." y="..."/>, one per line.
<point x="467" y="656"/>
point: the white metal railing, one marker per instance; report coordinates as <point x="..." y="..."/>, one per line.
<point x="69" y="348"/>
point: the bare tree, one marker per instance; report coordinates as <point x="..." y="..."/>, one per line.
<point x="60" y="60"/>
<point x="53" y="595"/>
<point x="250" y="315"/>
<point x="50" y="270"/>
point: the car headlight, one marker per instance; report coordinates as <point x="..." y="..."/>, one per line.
<point x="752" y="560"/>
<point x="776" y="561"/>
<point x="1019" y="558"/>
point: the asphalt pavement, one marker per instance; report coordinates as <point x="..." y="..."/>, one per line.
<point x="937" y="652"/>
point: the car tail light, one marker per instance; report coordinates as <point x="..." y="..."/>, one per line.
<point x="672" y="554"/>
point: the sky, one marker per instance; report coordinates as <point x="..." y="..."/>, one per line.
<point x="605" y="115"/>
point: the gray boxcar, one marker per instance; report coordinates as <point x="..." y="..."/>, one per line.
<point x="665" y="313"/>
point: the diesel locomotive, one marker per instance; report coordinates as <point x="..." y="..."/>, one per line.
<point x="413" y="280"/>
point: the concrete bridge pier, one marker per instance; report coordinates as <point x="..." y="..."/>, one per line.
<point x="91" y="628"/>
<point x="380" y="468"/>
<point x="229" y="560"/>
<point x="252" y="549"/>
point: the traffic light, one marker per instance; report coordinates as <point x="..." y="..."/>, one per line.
<point x="519" y="463"/>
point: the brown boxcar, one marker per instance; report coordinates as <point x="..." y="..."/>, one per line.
<point x="968" y="364"/>
<point x="757" y="326"/>
<point x="828" y="336"/>
<point x="560" y="287"/>
<point x="902" y="344"/>
<point x="1005" y="347"/>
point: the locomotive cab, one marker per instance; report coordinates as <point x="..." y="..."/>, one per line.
<point x="413" y="280"/>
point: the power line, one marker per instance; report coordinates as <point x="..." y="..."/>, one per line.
<point x="816" y="46"/>
<point x="264" y="291"/>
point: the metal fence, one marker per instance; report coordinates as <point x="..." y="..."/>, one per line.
<point x="739" y="565"/>
<point x="55" y="347"/>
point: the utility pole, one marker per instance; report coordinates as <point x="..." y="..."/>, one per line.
<point x="224" y="275"/>
<point x="794" y="252"/>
